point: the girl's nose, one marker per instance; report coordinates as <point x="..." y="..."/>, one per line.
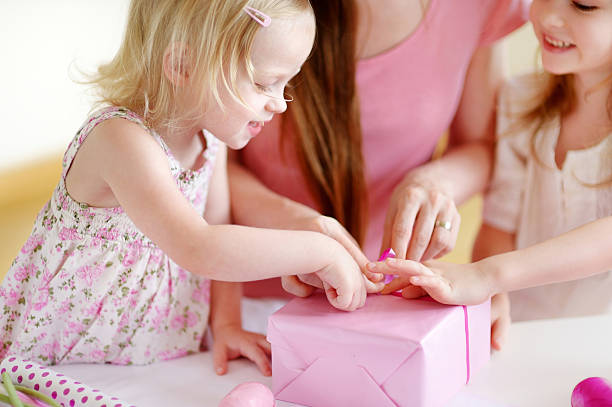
<point x="276" y="105"/>
<point x="552" y="15"/>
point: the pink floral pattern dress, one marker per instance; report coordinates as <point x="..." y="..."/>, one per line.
<point x="89" y="286"/>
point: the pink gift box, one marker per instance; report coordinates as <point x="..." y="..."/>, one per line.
<point x="392" y="352"/>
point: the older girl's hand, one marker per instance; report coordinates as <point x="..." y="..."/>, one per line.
<point x="448" y="283"/>
<point x="422" y="221"/>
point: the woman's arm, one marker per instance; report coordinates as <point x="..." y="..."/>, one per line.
<point x="254" y="204"/>
<point x="472" y="132"/>
<point x="430" y="192"/>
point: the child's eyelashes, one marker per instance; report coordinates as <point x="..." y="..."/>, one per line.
<point x="263" y="88"/>
<point x="583" y="7"/>
<point x="277" y="91"/>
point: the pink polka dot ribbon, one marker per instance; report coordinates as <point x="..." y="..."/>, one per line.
<point x="64" y="390"/>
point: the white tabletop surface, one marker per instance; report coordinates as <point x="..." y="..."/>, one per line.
<point x="540" y="365"/>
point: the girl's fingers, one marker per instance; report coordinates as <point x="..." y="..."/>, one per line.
<point x="351" y="246"/>
<point x="363" y="294"/>
<point x="264" y="344"/>
<point x="359" y="297"/>
<point x="500" y="320"/>
<point x="373" y="287"/>
<point x="404" y="269"/>
<point x="311" y="279"/>
<point x="499" y="332"/>
<point x="220" y="359"/>
<point x="255" y="354"/>
<point x="374" y="278"/>
<point x="337" y="299"/>
<point x="435" y="286"/>
<point x="355" y="301"/>
<point x="427" y="281"/>
<point x="332" y="228"/>
<point x="294" y="286"/>
<point x="400" y="267"/>
<point x="397" y="284"/>
<point x="413" y="291"/>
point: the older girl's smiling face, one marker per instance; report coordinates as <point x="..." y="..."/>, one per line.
<point x="575" y="36"/>
<point x="278" y="53"/>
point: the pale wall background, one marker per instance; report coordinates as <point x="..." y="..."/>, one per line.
<point x="43" y="43"/>
<point x="41" y="40"/>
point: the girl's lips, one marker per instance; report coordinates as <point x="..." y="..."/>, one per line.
<point x="554" y="45"/>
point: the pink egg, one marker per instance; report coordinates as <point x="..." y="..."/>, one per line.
<point x="592" y="392"/>
<point x="249" y="394"/>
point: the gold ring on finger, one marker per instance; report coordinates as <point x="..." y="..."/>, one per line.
<point x="444" y="224"/>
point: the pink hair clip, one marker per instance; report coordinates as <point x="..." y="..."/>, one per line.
<point x="258" y="16"/>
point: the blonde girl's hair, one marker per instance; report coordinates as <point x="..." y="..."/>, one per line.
<point x="211" y="38"/>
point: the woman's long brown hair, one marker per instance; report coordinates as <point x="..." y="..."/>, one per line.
<point x="325" y="117"/>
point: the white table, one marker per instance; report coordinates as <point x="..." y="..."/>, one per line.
<point x="541" y="364"/>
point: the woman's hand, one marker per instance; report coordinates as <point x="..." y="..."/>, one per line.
<point x="304" y="285"/>
<point x="422" y="221"/>
<point x="231" y="342"/>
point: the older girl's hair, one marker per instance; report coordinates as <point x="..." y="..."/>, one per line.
<point x="211" y="38"/>
<point x="550" y="95"/>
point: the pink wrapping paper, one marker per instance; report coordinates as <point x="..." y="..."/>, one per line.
<point x="392" y="352"/>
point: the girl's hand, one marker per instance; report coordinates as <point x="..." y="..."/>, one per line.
<point x="422" y="221"/>
<point x="231" y="342"/>
<point x="461" y="284"/>
<point x="500" y="320"/>
<point x="303" y="286"/>
<point x="343" y="282"/>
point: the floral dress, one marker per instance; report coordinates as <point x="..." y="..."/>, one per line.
<point x="89" y="286"/>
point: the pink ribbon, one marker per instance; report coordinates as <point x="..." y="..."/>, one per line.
<point x="467" y="344"/>
<point x="467" y="334"/>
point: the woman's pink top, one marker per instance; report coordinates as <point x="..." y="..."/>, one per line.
<point x="408" y="95"/>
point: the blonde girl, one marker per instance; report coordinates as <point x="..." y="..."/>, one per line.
<point x="119" y="264"/>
